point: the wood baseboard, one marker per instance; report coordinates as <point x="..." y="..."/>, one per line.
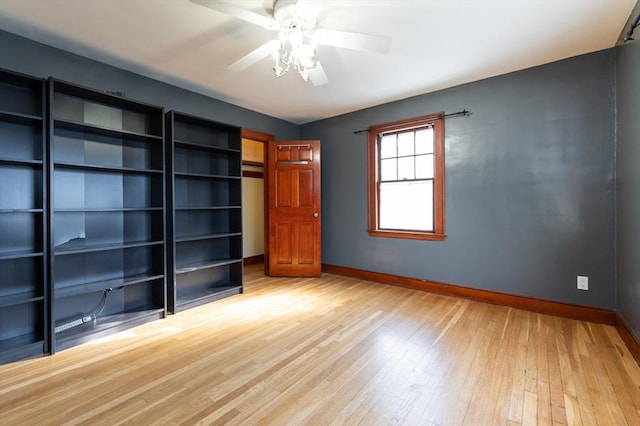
<point x="566" y="310"/>
<point x="629" y="339"/>
<point x="253" y="259"/>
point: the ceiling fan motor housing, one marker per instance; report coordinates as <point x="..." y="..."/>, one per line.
<point x="288" y="13"/>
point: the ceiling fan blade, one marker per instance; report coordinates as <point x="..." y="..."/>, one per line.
<point x="317" y="76"/>
<point x="254" y="56"/>
<point x="238" y="12"/>
<point x="354" y="41"/>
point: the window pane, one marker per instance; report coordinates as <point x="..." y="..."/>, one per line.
<point x="388" y="169"/>
<point x="388" y="146"/>
<point x="406" y="168"/>
<point x="406" y="206"/>
<point x="405" y="143"/>
<point x="424" y="141"/>
<point x="424" y="166"/>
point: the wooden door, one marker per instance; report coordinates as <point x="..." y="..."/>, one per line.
<point x="294" y="216"/>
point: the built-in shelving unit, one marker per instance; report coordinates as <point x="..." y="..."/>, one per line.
<point x="204" y="220"/>
<point x="107" y="213"/>
<point x="104" y="223"/>
<point x="23" y="229"/>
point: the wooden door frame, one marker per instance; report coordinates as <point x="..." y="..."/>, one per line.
<point x="265" y="138"/>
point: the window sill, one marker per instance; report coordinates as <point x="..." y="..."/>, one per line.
<point x="408" y="235"/>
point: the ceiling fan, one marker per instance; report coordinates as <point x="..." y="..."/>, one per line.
<point x="298" y="35"/>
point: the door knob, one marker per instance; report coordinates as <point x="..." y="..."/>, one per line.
<point x="315" y="214"/>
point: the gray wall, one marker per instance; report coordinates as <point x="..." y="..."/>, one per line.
<point x="628" y="183"/>
<point x="26" y="56"/>
<point x="529" y="185"/>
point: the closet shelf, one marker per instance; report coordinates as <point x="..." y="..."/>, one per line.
<point x="79" y="247"/>
<point x="196" y="208"/>
<point x="20" y="118"/>
<point x="20" y="298"/>
<point x="98" y="168"/>
<point x="108" y="210"/>
<point x="62" y="123"/>
<point x="21" y="211"/>
<point x="197" y="266"/>
<point x="20" y="162"/>
<point x="21" y="342"/>
<point x="73" y="290"/>
<point x="209" y="295"/>
<point x="186" y="239"/>
<point x="206" y="176"/>
<point x="203" y="147"/>
<point x="19" y="254"/>
<point x="108" y="324"/>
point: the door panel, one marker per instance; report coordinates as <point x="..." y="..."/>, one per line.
<point x="305" y="154"/>
<point x="284" y="243"/>
<point x="284" y="188"/>
<point x="306" y="253"/>
<point x="305" y="188"/>
<point x="294" y="208"/>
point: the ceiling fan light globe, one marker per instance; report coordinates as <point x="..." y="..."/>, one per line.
<point x="279" y="70"/>
<point x="309" y="62"/>
<point x="280" y="55"/>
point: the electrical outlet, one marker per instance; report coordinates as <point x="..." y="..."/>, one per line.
<point x="583" y="282"/>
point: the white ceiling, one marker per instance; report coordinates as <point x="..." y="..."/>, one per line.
<point x="435" y="44"/>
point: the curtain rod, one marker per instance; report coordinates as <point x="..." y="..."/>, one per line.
<point x="632" y="27"/>
<point x="463" y="113"/>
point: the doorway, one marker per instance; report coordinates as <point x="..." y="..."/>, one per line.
<point x="254" y="146"/>
<point x="291" y="172"/>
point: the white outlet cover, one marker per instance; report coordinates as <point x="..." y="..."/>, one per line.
<point x="582" y="282"/>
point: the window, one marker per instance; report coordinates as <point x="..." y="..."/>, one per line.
<point x="406" y="178"/>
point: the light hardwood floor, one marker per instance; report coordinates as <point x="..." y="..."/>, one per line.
<point x="334" y="350"/>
